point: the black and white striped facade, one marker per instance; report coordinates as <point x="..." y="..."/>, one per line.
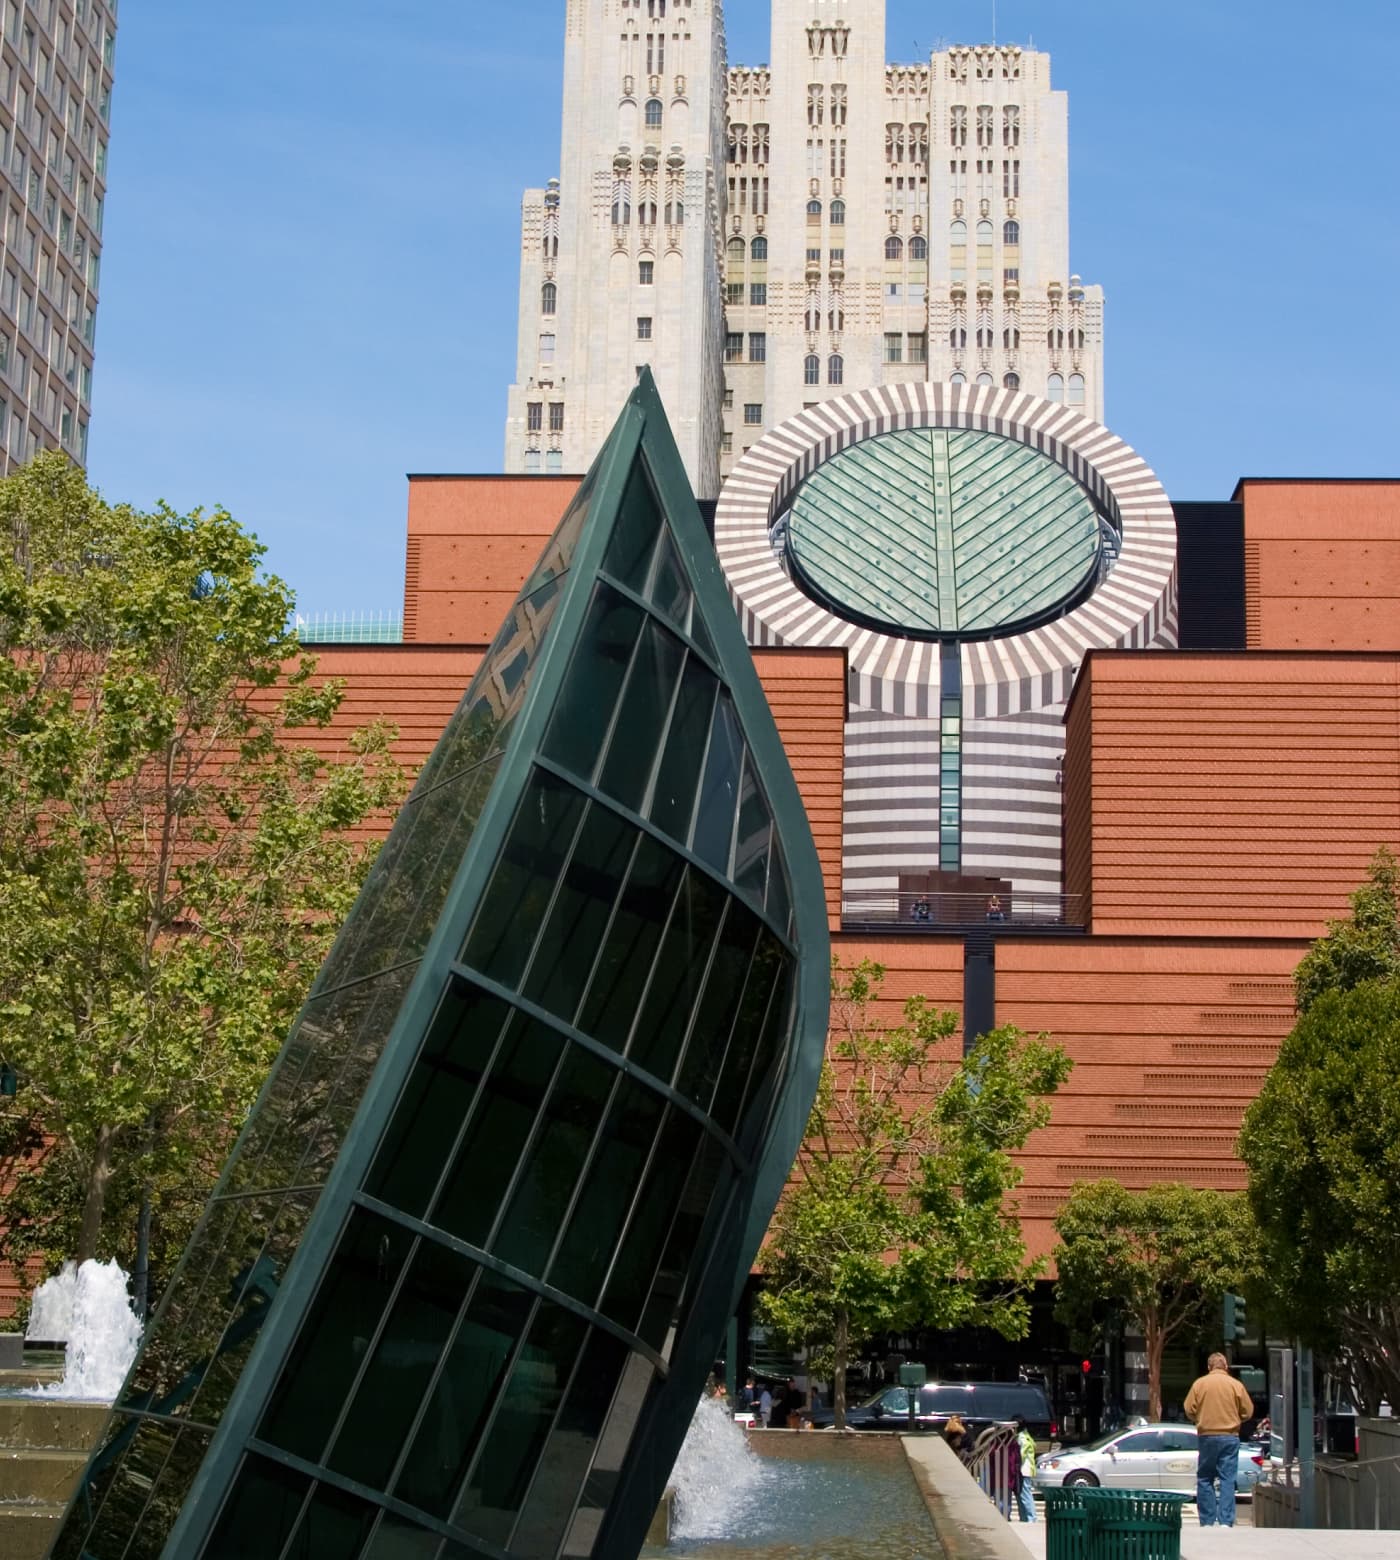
<point x="1014" y="687"/>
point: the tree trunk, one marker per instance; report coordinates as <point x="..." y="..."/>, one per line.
<point x="1155" y="1340"/>
<point x="99" y="1174"/>
<point x="839" y="1354"/>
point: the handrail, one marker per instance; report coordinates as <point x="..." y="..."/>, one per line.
<point x="995" y="1462"/>
<point x="914" y="911"/>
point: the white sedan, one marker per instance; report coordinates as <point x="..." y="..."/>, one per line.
<point x="1147" y="1457"/>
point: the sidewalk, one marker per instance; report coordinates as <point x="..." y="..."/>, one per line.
<point x="1277" y="1543"/>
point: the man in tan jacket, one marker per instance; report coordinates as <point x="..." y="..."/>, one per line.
<point x="1218" y="1406"/>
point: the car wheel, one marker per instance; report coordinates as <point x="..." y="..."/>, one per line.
<point x="1079" y="1476"/>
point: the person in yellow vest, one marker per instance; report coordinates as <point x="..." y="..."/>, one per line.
<point x="1218" y="1406"/>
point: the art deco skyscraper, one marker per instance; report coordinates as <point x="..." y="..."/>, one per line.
<point x="55" y="106"/>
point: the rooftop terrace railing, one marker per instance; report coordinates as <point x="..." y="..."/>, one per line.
<point x="888" y="910"/>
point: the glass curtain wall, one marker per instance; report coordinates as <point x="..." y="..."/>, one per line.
<point x="535" y="1240"/>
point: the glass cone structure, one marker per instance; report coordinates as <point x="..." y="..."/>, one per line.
<point x="459" y="1287"/>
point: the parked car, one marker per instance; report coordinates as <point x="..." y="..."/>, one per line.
<point x="976" y="1403"/>
<point x="1150" y="1457"/>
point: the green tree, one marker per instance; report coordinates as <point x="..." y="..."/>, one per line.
<point x="1322" y="1142"/>
<point x="174" y="860"/>
<point x="1365" y="946"/>
<point x="899" y="1210"/>
<point x="1162" y="1259"/>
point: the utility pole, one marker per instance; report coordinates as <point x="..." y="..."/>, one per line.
<point x="1307" y="1456"/>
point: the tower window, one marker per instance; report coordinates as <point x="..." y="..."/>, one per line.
<point x="835" y="369"/>
<point x="894" y="247"/>
<point x="894" y="347"/>
<point x="1011" y="232"/>
<point x="1076" y="390"/>
<point x="1011" y="381"/>
<point x="758" y="250"/>
<point x="1055" y="388"/>
<point x="838" y="213"/>
<point x="918" y="247"/>
<point x="812" y="370"/>
<point x="814" y="212"/>
<point x="758" y="346"/>
<point x="753" y="413"/>
<point x="556" y="417"/>
<point x="534" y="416"/>
<point x="644" y="327"/>
<point x="646" y="272"/>
<point x="549" y="298"/>
<point x="653" y="113"/>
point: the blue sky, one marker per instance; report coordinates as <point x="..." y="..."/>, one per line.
<point x="310" y="260"/>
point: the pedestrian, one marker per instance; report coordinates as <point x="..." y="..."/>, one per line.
<point x="994" y="908"/>
<point x="765" y="1406"/>
<point x="1025" y="1490"/>
<point x="1218" y="1406"/>
<point x="750" y="1393"/>
<point x="955" y="1434"/>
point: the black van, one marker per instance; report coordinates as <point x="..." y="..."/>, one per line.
<point x="977" y="1403"/>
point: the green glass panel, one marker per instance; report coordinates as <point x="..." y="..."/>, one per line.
<point x="481" y="1167"/>
<point x="458" y="1411"/>
<point x="262" y="1509"/>
<point x="396" y="1538"/>
<point x="522" y="885"/>
<point x="769" y="1056"/>
<point x="554" y="1162"/>
<point x="564" y="957"/>
<point x="401" y="1368"/>
<point x="564" y="1463"/>
<point x="670" y="590"/>
<point x="349" y="1305"/>
<point x="147" y="1487"/>
<point x="751" y="842"/>
<point x="438" y="1097"/>
<point x="594" y="680"/>
<point x="333" y="1526"/>
<point x="558" y="555"/>
<point x="714" y="1017"/>
<point x="673" y="796"/>
<point x="495" y="1488"/>
<point x="779" y="900"/>
<point x="652" y="1212"/>
<point x="606" y="1195"/>
<point x="764" y="974"/>
<point x="629" y="945"/>
<point x="710" y="1176"/>
<point x="634" y="533"/>
<point x="677" y="975"/>
<point x="403" y="898"/>
<point x="641" y="717"/>
<point x="719" y="788"/>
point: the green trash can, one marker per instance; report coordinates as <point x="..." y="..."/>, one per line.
<point x="1066" y="1533"/>
<point x="1133" y="1524"/>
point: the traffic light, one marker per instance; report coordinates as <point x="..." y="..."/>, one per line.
<point x="1236" y="1321"/>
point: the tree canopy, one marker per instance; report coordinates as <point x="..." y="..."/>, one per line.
<point x="899" y="1210"/>
<point x="173" y="864"/>
<point x="1322" y="1142"/>
<point x="1162" y="1258"/>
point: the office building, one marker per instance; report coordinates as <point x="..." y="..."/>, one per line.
<point x="880" y="224"/>
<point x="56" y="59"/>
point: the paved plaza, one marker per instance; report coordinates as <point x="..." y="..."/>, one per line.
<point x="1199" y="1543"/>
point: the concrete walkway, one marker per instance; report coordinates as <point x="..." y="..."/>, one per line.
<point x="1198" y="1543"/>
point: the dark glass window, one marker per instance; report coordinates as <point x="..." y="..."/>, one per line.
<point x="553" y="1163"/>
<point x="714" y="1017"/>
<point x="634" y="533"/>
<point x="569" y="943"/>
<point x="641" y="717"/>
<point x="677" y="975"/>
<point x="670" y="589"/>
<point x="719" y="789"/>
<point x="673" y="797"/>
<point x="746" y="1034"/>
<point x="531" y="861"/>
<point x="629" y="944"/>
<point x="751" y="842"/>
<point x="261" y="1511"/>
<point x="334" y="1526"/>
<point x="352" y="1299"/>
<point x="709" y="1176"/>
<point x="594" y="679"/>
<point x="493" y="1140"/>
<point x="438" y="1097"/>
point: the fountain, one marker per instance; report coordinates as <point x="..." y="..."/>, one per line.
<point x="719" y="1480"/>
<point x="88" y="1308"/>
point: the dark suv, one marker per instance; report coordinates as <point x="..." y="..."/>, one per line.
<point x="977" y="1403"/>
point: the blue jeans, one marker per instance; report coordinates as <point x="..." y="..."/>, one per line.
<point x="1025" y="1499"/>
<point x="1217" y="1457"/>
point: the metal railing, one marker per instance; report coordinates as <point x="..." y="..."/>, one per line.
<point x="922" y="912"/>
<point x="1367" y="1489"/>
<point x="995" y="1463"/>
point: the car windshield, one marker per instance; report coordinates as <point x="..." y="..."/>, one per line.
<point x="1100" y="1442"/>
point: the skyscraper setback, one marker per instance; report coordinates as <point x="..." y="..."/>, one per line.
<point x="56" y="60"/>
<point x="768" y="237"/>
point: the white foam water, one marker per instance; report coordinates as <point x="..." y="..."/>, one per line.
<point x="51" y="1311"/>
<point x="102" y="1331"/>
<point x="719" y="1480"/>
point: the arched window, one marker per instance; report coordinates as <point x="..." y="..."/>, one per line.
<point x="1055" y="388"/>
<point x="675" y="213"/>
<point x="1054" y="337"/>
<point x="894" y="247"/>
<point x="984" y="232"/>
<point x="957" y="338"/>
<point x="836" y="321"/>
<point x="814" y="212"/>
<point x="621" y="213"/>
<point x="957" y="232"/>
<point x="1011" y="232"/>
<point x="957" y="379"/>
<point x="838" y="213"/>
<point x="1076" y="390"/>
<point x="1011" y="338"/>
<point x="918" y="247"/>
<point x="1011" y="381"/>
<point x="811" y="370"/>
<point x="835" y="369"/>
<point x="737" y="249"/>
<point x="758" y="250"/>
<point x="549" y="298"/>
<point x="984" y="337"/>
<point x="653" y="113"/>
<point x="984" y="379"/>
